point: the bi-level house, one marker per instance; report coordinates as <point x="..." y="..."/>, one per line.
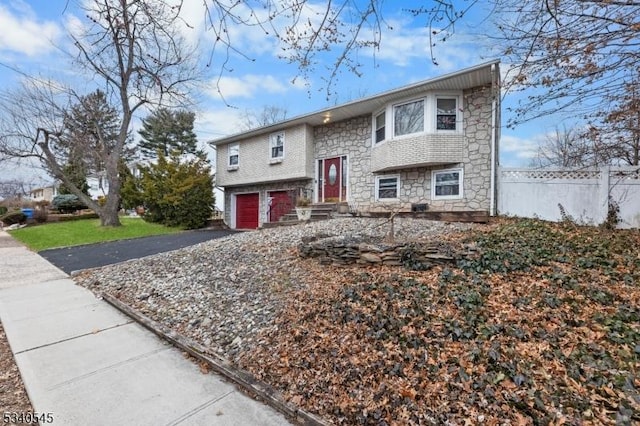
<point x="430" y="146"/>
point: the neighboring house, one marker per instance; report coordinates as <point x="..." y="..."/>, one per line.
<point x="44" y="194"/>
<point x="98" y="186"/>
<point x="431" y="145"/>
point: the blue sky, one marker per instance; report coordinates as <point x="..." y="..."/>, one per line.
<point x="33" y="40"/>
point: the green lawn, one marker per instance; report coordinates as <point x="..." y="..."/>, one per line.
<point x="65" y="234"/>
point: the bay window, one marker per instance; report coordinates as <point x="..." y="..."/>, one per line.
<point x="446" y="113"/>
<point x="408" y="118"/>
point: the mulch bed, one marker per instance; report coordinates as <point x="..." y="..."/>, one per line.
<point x="541" y="326"/>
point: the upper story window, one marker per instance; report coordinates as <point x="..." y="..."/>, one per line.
<point x="434" y="113"/>
<point x="380" y="123"/>
<point x="276" y="146"/>
<point x="233" y="155"/>
<point x="408" y="118"/>
<point x="446" y="113"/>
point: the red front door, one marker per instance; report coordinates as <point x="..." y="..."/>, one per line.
<point x="332" y="179"/>
<point x="247" y="206"/>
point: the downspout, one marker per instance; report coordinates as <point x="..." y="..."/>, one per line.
<point x="492" y="207"/>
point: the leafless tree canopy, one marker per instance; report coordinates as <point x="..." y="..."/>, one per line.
<point x="14" y="188"/>
<point x="132" y="50"/>
<point x="573" y="148"/>
<point x="323" y="38"/>
<point x="578" y="57"/>
<point x="269" y="114"/>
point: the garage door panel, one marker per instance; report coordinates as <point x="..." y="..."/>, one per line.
<point x="247" y="207"/>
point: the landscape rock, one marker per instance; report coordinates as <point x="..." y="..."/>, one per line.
<point x="223" y="292"/>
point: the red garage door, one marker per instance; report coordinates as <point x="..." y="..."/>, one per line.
<point x="281" y="204"/>
<point x="247" y="211"/>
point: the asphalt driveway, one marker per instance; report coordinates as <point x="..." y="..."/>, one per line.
<point x="71" y="259"/>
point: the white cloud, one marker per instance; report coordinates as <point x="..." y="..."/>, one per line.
<point x="408" y="42"/>
<point x="517" y="151"/>
<point x="23" y="33"/>
<point x="216" y="123"/>
<point x="249" y="86"/>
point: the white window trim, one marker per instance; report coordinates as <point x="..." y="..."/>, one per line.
<point x="425" y="109"/>
<point x="374" y="129"/>
<point x="272" y="139"/>
<point x="229" y="165"/>
<point x="430" y="125"/>
<point x="447" y="197"/>
<point x="377" y="187"/>
<point x="459" y="115"/>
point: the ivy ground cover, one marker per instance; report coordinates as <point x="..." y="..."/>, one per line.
<point x="540" y="325"/>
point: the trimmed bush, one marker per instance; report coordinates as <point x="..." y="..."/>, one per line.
<point x="13" y="217"/>
<point x="78" y="217"/>
<point x="40" y="215"/>
<point x="67" y="203"/>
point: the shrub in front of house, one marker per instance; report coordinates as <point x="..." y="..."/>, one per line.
<point x="13" y="217"/>
<point x="40" y="215"/>
<point x="177" y="192"/>
<point x="67" y="203"/>
<point x="77" y="217"/>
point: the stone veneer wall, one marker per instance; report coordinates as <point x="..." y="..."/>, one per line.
<point x="353" y="138"/>
<point x="262" y="189"/>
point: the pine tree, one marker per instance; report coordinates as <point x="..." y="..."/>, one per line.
<point x="77" y="173"/>
<point x="89" y="136"/>
<point x="167" y="131"/>
<point x="91" y="131"/>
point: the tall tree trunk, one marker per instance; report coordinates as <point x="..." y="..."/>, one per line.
<point x="109" y="212"/>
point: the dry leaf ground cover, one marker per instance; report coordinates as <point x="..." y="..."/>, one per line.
<point x="13" y="397"/>
<point x="540" y="326"/>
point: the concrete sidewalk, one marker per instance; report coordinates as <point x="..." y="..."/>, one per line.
<point x="86" y="363"/>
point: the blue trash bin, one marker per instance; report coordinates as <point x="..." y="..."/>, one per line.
<point x="28" y="213"/>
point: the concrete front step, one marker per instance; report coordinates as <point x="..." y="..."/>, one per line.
<point x="315" y="215"/>
<point x="320" y="211"/>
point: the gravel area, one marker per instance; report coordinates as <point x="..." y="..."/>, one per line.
<point x="222" y="293"/>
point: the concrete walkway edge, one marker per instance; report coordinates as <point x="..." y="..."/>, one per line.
<point x="86" y="363"/>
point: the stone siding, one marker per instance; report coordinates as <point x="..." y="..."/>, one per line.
<point x="353" y="138"/>
<point x="305" y="186"/>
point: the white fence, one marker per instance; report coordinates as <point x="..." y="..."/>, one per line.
<point x="584" y="194"/>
